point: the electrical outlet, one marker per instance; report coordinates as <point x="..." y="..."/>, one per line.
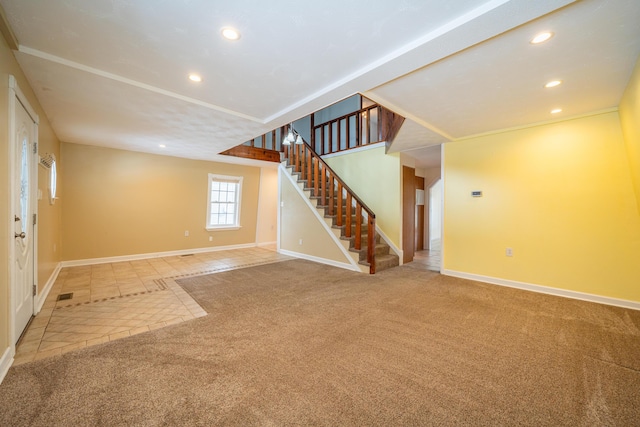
<point x="211" y="238"/>
<point x="509" y="252"/>
<point x="300" y="242"/>
<point x="186" y="233"/>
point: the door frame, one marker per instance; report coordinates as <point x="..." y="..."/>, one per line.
<point x="408" y="213"/>
<point x="16" y="97"/>
<point x="440" y="182"/>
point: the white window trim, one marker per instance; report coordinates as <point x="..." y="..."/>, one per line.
<point x="236" y="179"/>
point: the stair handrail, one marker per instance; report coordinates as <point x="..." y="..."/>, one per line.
<point x="303" y="167"/>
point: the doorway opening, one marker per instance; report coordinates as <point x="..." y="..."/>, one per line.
<point x="431" y="255"/>
<point x="435" y="216"/>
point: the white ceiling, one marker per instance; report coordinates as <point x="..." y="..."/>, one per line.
<point x="114" y="73"/>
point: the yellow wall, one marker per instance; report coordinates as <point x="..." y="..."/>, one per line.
<point x="559" y="194"/>
<point x="118" y="203"/>
<point x="298" y="222"/>
<point x="376" y="179"/>
<point x="49" y="216"/>
<point x="268" y="206"/>
<point x="630" y="119"/>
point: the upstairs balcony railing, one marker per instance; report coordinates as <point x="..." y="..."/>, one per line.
<point x="366" y="126"/>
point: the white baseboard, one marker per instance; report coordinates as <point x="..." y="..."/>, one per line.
<point x="320" y="260"/>
<point x="5" y="362"/>
<point x="546" y="290"/>
<point x="107" y="260"/>
<point x="47" y="288"/>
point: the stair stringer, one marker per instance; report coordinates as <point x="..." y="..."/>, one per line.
<point x="350" y="261"/>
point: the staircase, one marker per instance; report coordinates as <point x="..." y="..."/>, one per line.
<point x="350" y="220"/>
<point x="344" y="213"/>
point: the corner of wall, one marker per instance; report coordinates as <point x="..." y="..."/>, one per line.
<point x="5" y="362"/>
<point x="629" y="111"/>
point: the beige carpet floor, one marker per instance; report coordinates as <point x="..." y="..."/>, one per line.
<point x="298" y="343"/>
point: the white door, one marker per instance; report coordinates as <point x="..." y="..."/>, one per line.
<point x="23" y="206"/>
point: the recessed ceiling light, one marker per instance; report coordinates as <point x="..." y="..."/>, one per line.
<point x="553" y="83"/>
<point x="230" y="33"/>
<point x="162" y="146"/>
<point x="195" y="78"/>
<point x="541" y="38"/>
<point x="556" y="111"/>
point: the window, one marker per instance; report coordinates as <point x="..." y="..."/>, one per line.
<point x="24" y="184"/>
<point x="49" y="162"/>
<point x="53" y="180"/>
<point x="225" y="194"/>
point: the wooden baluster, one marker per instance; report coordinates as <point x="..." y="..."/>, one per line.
<point x="339" y="208"/>
<point x="379" y="124"/>
<point x="316" y="184"/>
<point x="371" y="246"/>
<point x="309" y="167"/>
<point x="368" y="125"/>
<point x="300" y="160"/>
<point x="274" y="141"/>
<point x="348" y="132"/>
<point x="330" y="137"/>
<point x="312" y="135"/>
<point x="331" y="195"/>
<point x="294" y="163"/>
<point x="323" y="181"/>
<point x="290" y="150"/>
<point x="358" y="243"/>
<point x="303" y="163"/>
<point x="358" y="129"/>
<point x="347" y="231"/>
<point x="263" y="140"/>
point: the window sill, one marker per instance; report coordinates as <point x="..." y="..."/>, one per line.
<point x="233" y="227"/>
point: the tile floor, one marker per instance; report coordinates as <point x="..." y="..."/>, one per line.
<point x="430" y="258"/>
<point x="117" y="300"/>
